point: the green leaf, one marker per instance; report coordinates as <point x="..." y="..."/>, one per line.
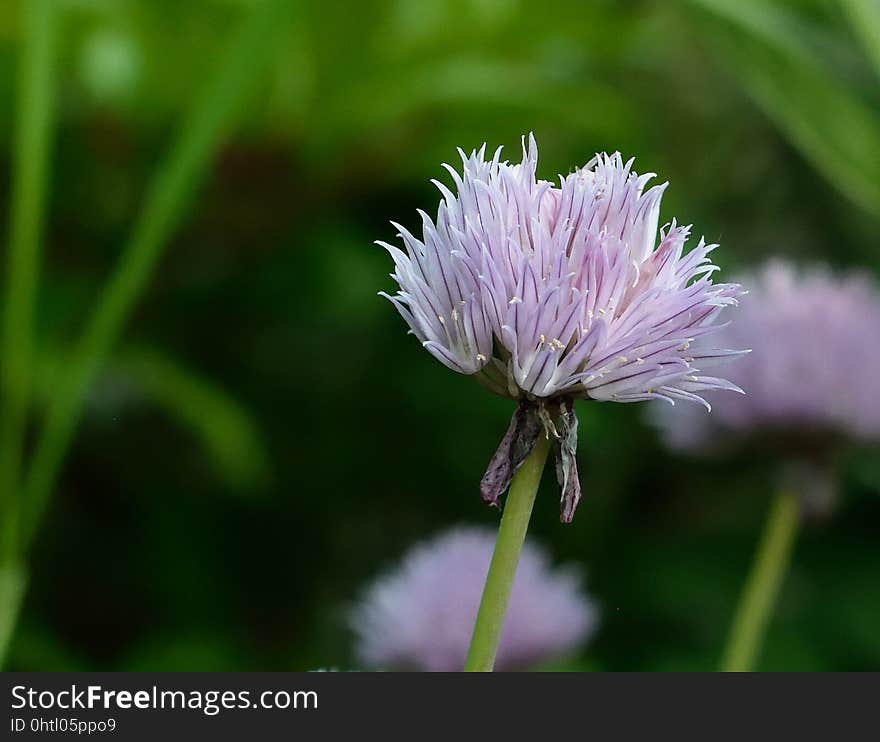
<point x="13" y="582"/>
<point x="185" y="166"/>
<point x="829" y="124"/>
<point x="227" y="432"/>
<point x="864" y="16"/>
<point x="768" y="22"/>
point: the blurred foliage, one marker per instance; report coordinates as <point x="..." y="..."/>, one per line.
<point x="142" y="376"/>
<point x="767" y="49"/>
<point x="762" y="115"/>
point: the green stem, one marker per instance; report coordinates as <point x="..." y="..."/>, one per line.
<point x="499" y="581"/>
<point x="762" y="587"/>
<point x="33" y="125"/>
<point x="186" y="164"/>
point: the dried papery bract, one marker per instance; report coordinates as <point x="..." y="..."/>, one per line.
<point x="551" y="292"/>
<point x="516" y="445"/>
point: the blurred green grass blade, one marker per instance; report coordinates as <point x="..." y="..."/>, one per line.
<point x="864" y="16"/>
<point x="30" y="147"/>
<point x="831" y="127"/>
<point x="187" y="162"/>
<point x="227" y="432"/>
<point x="13" y="582"/>
<point x="145" y="376"/>
<point x="764" y="20"/>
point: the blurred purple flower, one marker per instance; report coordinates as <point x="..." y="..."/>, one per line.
<point x="546" y="293"/>
<point x="420" y="616"/>
<point x="814" y="367"/>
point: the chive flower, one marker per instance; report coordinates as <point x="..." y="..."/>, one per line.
<point x="811" y="380"/>
<point x="419" y="616"/>
<point x="812" y="373"/>
<point x="550" y="292"/>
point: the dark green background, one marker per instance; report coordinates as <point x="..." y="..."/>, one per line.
<point x="267" y="437"/>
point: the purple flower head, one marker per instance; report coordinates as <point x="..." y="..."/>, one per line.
<point x="549" y="292"/>
<point x="420" y="615"/>
<point x="813" y="371"/>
